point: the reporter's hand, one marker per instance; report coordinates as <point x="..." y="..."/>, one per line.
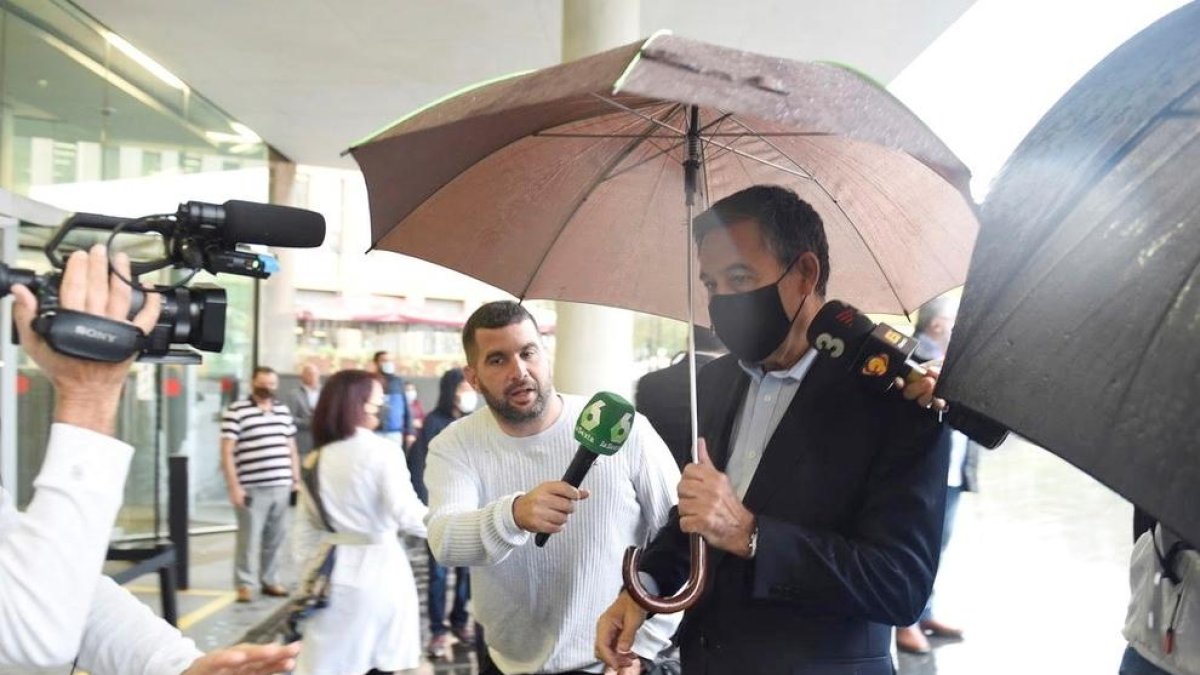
<point x="88" y="392"/>
<point x="634" y="669"/>
<point x="615" y="631"/>
<point x="246" y="659"/>
<point x="546" y="507"/>
<point x="921" y="390"/>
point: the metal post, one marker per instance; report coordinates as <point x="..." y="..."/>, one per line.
<point x="177" y="515"/>
<point x="8" y="364"/>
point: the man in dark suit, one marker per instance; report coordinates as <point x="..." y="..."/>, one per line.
<point x="821" y="499"/>
<point x="662" y="395"/>
<point x="302" y="401"/>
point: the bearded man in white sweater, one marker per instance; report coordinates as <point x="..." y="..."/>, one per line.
<point x="492" y="479"/>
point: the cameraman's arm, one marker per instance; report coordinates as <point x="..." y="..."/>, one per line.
<point x="124" y="636"/>
<point x="50" y="556"/>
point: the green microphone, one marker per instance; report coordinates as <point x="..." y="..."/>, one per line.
<point x="602" y="428"/>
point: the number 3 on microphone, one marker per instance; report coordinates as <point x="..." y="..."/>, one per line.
<point x="829" y="344"/>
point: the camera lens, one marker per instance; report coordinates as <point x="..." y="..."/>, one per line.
<point x="193" y="315"/>
<point x="14" y="275"/>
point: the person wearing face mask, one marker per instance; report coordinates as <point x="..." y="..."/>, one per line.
<point x="262" y="468"/>
<point x="455" y="399"/>
<point x="396" y="419"/>
<point x="821" y="500"/>
<point x="416" y="411"/>
<point x="364" y="499"/>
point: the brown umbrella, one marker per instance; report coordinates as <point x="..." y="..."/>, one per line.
<point x="566" y="183"/>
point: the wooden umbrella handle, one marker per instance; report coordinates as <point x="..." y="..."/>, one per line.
<point x="685" y="598"/>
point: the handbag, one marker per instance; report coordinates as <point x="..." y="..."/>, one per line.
<point x="1163" y="622"/>
<point x="314" y="595"/>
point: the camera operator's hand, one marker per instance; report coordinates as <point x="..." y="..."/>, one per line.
<point x="246" y="659"/>
<point x="88" y="391"/>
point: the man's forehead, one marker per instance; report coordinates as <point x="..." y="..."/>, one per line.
<point x="739" y="243"/>
<point x="514" y="335"/>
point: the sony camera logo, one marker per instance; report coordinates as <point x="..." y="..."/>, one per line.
<point x="95" y="334"/>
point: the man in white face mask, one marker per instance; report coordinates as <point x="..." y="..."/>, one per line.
<point x="396" y="421"/>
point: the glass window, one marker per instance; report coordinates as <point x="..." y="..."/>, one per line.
<point x="87" y="123"/>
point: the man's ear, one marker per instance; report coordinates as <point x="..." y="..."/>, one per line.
<point x="809" y="269"/>
<point x="471" y="377"/>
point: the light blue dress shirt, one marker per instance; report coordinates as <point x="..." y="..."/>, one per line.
<point x="768" y="398"/>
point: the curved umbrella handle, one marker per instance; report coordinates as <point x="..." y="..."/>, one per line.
<point x="685" y="598"/>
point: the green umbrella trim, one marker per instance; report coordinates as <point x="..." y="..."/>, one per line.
<point x="637" y="57"/>
<point x="467" y="89"/>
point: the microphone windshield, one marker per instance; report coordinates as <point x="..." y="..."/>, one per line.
<point x="838" y="330"/>
<point x="272" y="225"/>
<point x="604" y="424"/>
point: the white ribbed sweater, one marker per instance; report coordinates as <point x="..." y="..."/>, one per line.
<point x="539" y="606"/>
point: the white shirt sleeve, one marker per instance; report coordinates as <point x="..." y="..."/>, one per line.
<point x="51" y="555"/>
<point x="656" y="484"/>
<point x="123" y="637"/>
<point x="462" y="531"/>
<point x="402" y="499"/>
<point x="656" y="478"/>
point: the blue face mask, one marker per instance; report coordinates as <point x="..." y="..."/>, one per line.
<point x="753" y="324"/>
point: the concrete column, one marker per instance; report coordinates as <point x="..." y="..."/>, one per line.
<point x="277" y="317"/>
<point x="595" y="344"/>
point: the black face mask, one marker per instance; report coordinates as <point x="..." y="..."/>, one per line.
<point x="752" y="324"/>
<point x="264" y="393"/>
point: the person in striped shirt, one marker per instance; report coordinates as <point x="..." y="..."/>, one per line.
<point x="262" y="469"/>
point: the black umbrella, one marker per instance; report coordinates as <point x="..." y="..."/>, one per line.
<point x="1080" y="320"/>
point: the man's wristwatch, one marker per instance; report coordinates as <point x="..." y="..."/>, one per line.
<point x="753" y="543"/>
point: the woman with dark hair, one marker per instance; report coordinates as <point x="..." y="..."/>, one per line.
<point x="372" y="621"/>
<point x="455" y="399"/>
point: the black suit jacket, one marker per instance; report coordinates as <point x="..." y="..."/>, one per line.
<point x="662" y="396"/>
<point x="302" y="413"/>
<point x="849" y="498"/>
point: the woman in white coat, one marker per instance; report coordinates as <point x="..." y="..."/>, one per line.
<point x="371" y="623"/>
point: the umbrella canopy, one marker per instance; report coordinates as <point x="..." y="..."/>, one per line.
<point x="567" y="183"/>
<point x="1080" y="321"/>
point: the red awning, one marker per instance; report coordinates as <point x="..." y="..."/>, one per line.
<point x="373" y="309"/>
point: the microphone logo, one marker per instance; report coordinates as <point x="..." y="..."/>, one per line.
<point x="876" y="365"/>
<point x="605" y="423"/>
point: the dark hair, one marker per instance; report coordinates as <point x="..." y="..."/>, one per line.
<point x="789" y="224"/>
<point x="447" y="390"/>
<point x="375" y="358"/>
<point x="262" y="370"/>
<point x="496" y="314"/>
<point x="340" y="409"/>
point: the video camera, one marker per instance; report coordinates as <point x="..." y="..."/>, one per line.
<point x="198" y="236"/>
